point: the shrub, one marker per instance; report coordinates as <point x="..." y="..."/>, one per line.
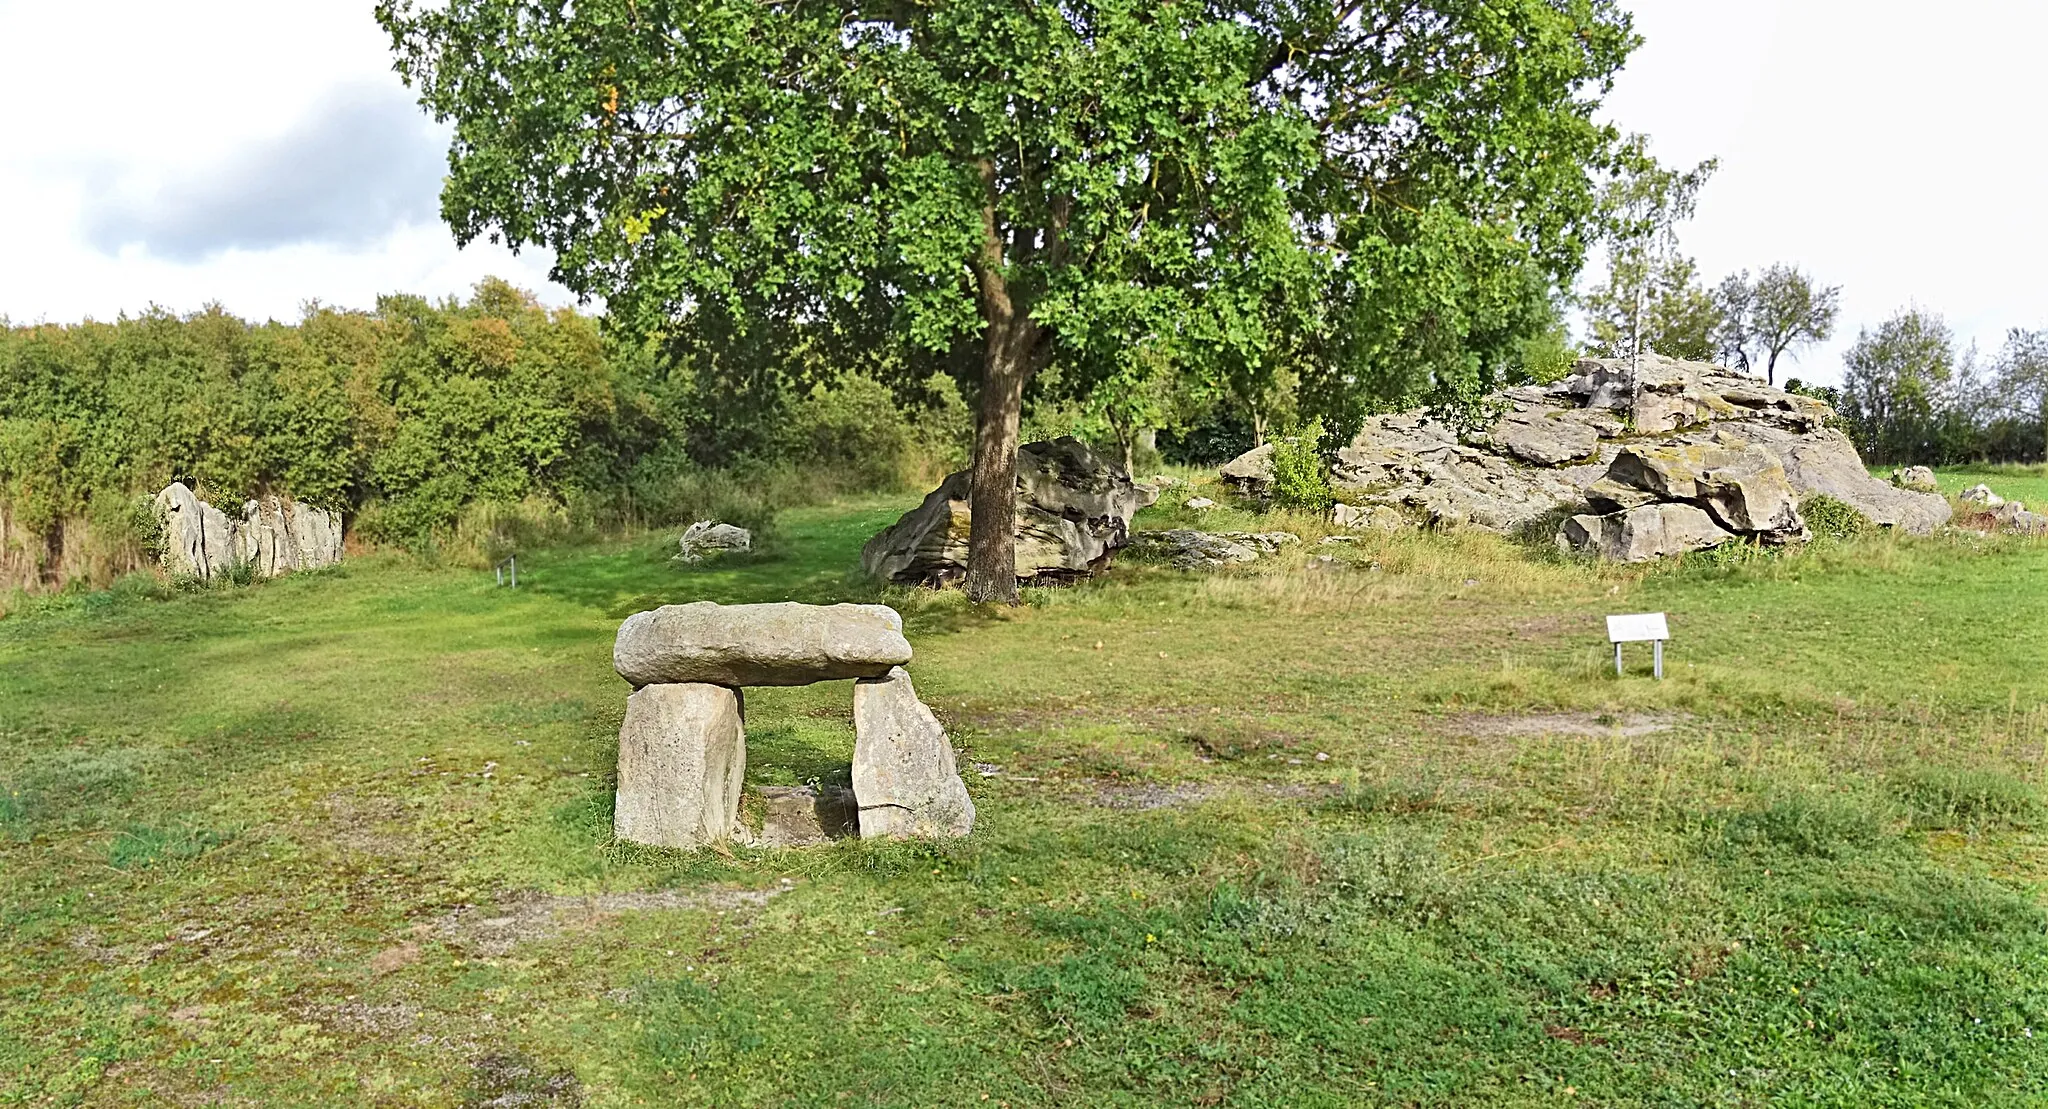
<point x="1301" y="479"/>
<point x="1833" y="519"/>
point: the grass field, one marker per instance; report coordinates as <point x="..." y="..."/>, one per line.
<point x="2028" y="484"/>
<point x="1387" y="832"/>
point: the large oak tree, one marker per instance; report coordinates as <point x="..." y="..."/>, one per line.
<point x="1368" y="193"/>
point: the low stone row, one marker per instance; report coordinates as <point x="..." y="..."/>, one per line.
<point x="682" y="749"/>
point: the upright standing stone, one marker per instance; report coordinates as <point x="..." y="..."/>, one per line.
<point x="682" y="759"/>
<point x="904" y="778"/>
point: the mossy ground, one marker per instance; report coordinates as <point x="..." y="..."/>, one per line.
<point x="1384" y="832"/>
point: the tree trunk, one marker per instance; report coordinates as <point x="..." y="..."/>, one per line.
<point x="992" y="487"/>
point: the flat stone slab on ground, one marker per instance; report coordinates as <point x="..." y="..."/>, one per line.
<point x="800" y="816"/>
<point x="771" y="644"/>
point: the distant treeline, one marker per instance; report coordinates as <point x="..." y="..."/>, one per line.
<point x="425" y="423"/>
<point x="1910" y="396"/>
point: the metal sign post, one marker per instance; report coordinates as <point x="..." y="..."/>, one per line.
<point x="512" y="562"/>
<point x="1637" y="628"/>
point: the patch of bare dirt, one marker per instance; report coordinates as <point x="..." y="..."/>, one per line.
<point x="538" y="916"/>
<point x="1145" y="796"/>
<point x="1600" y="725"/>
<point x="370" y="825"/>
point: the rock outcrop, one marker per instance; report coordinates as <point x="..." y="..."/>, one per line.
<point x="772" y="644"/>
<point x="1073" y="510"/>
<point x="273" y="536"/>
<point x="1552" y="449"/>
<point x="1915" y="477"/>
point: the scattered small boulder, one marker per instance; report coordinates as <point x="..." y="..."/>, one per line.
<point x="1919" y="478"/>
<point x="1200" y="503"/>
<point x="1187" y="549"/>
<point x="1074" y="511"/>
<point x="1981" y="496"/>
<point x="709" y="537"/>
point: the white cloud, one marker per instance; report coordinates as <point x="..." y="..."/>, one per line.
<point x="1885" y="146"/>
<point x="1888" y="147"/>
<point x="257" y="153"/>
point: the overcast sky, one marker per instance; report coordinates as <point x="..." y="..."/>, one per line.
<point x="261" y="153"/>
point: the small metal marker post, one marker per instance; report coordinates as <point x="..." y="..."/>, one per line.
<point x="1637" y="628"/>
<point x="512" y="562"/>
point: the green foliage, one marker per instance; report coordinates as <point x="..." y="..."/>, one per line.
<point x="1378" y="202"/>
<point x="1898" y="385"/>
<point x="1829" y="518"/>
<point x="433" y="426"/>
<point x="1651" y="299"/>
<point x="1780" y="312"/>
<point x="1301" y="475"/>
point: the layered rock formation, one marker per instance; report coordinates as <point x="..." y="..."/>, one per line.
<point x="272" y="536"/>
<point x="1555" y="448"/>
<point x="1073" y="510"/>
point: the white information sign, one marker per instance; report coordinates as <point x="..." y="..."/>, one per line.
<point x="1637" y="628"/>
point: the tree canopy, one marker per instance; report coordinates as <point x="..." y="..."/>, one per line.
<point x="1380" y="196"/>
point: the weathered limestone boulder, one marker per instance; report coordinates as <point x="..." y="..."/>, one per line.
<point x="769" y="644"/>
<point x="1250" y="474"/>
<point x="904" y="777"/>
<point x="682" y="760"/>
<point x="1641" y="534"/>
<point x="1545" y="436"/>
<point x="1749" y="493"/>
<point x="1981" y="496"/>
<point x="198" y="541"/>
<point x="1919" y="478"/>
<point x="1074" y="510"/>
<point x="801" y="816"/>
<point x="273" y="536"/>
<point x="1187" y="549"/>
<point x="1825" y="462"/>
<point x="1556" y="447"/>
<point x="709" y="537"/>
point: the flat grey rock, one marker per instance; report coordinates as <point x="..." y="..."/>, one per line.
<point x="769" y="644"/>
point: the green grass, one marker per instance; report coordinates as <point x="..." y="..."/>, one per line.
<point x="343" y="838"/>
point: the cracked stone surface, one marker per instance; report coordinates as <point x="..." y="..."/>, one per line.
<point x="904" y="777"/>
